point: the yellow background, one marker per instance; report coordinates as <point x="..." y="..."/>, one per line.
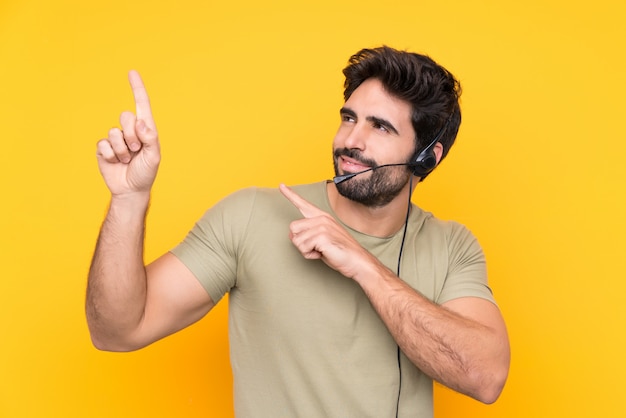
<point x="247" y="93"/>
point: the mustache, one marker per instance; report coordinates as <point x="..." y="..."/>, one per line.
<point x="355" y="155"/>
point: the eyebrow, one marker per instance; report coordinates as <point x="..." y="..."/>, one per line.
<point x="379" y="121"/>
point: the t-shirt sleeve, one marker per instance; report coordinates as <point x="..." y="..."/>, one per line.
<point x="210" y="250"/>
<point x="467" y="270"/>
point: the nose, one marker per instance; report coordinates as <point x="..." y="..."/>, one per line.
<point x="355" y="137"/>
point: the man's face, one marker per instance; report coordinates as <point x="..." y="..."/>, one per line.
<point x="375" y="130"/>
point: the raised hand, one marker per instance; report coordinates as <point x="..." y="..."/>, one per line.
<point x="319" y="236"/>
<point x="129" y="157"/>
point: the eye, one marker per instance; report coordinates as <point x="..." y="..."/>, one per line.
<point x="347" y="118"/>
<point x="380" y="127"/>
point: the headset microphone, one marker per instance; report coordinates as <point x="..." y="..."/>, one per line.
<point x="340" y="179"/>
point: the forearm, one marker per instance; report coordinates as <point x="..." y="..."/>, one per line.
<point x="459" y="352"/>
<point x="116" y="290"/>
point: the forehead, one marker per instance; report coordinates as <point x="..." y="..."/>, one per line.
<point x="371" y="99"/>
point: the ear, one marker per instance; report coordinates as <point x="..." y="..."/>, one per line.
<point x="438" y="150"/>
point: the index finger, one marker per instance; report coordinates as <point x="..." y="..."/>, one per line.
<point x="307" y="209"/>
<point x="142" y="101"/>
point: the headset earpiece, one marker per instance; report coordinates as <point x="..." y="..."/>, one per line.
<point x="425" y="161"/>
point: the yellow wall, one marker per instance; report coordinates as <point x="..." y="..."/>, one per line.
<point x="247" y="93"/>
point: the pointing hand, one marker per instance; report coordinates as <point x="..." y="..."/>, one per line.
<point x="319" y="236"/>
<point x="129" y="157"/>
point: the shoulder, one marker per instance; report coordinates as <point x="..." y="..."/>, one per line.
<point x="452" y="234"/>
<point x="252" y="202"/>
<point x="271" y="194"/>
<point x="432" y="223"/>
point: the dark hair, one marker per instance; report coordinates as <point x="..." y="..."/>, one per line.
<point x="432" y="91"/>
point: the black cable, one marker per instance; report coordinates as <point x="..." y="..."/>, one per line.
<point x="406" y="225"/>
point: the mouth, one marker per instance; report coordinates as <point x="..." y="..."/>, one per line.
<point x="350" y="165"/>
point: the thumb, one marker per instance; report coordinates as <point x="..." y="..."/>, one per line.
<point x="147" y="136"/>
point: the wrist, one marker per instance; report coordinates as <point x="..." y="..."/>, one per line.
<point x="370" y="271"/>
<point x="129" y="203"/>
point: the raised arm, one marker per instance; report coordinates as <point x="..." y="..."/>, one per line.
<point x="129" y="306"/>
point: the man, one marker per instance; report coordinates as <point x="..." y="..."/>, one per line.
<point x="345" y="299"/>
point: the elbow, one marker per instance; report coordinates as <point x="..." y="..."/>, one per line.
<point x="103" y="344"/>
<point x="490" y="380"/>
<point x="106" y="342"/>
<point x="111" y="347"/>
<point x="489" y="386"/>
<point x="110" y="337"/>
<point x="490" y="393"/>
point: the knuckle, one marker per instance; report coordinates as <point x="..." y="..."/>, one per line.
<point x="114" y="132"/>
<point x="127" y="120"/>
<point x="126" y="115"/>
<point x="119" y="146"/>
<point x="150" y="135"/>
<point x="105" y="151"/>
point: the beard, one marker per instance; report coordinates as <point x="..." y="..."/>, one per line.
<point x="377" y="190"/>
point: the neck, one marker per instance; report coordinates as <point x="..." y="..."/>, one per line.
<point x="381" y="221"/>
